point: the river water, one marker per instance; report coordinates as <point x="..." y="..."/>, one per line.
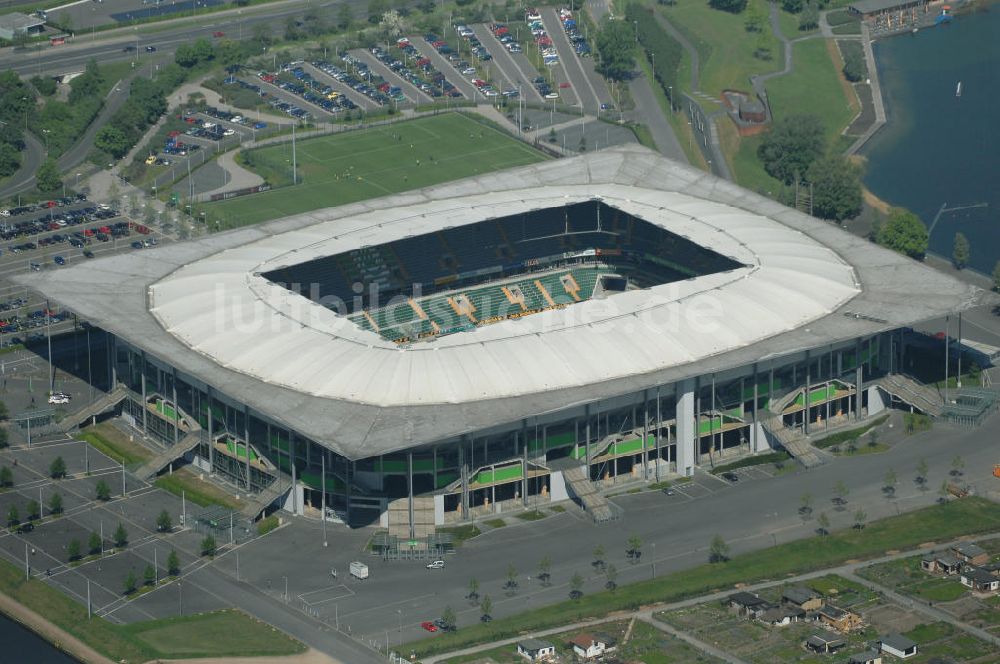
<point x="22" y="646"/>
<point x="939" y="148"/>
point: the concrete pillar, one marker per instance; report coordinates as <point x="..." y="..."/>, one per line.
<point x="756" y="398"/>
<point x="464" y="472"/>
<point x="112" y="350"/>
<point x="805" y="419"/>
<point x="142" y="378"/>
<point x="686" y="427"/>
<point x="409" y="489"/>
<point x="659" y="424"/>
<point x="246" y="439"/>
<point x="211" y="435"/>
<point x="524" y="470"/>
<point x="645" y="433"/>
<point x="586" y="412"/>
<point x="177" y="407"/>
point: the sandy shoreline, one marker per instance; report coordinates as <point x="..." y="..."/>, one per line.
<point x="55" y="635"/>
<point x="74" y="647"/>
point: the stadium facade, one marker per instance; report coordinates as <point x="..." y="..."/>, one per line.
<point x="503" y="341"/>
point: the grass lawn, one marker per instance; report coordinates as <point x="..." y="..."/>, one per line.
<point x="495" y="523"/>
<point x="227" y="633"/>
<point x="746" y="167"/>
<point x="532" y="515"/>
<point x="462" y="533"/>
<point x="725" y="48"/>
<point x="112" y="442"/>
<point x="815" y="87"/>
<point x="678" y="120"/>
<point x="790" y="25"/>
<point x="849" y="434"/>
<point x="197" y="491"/>
<point x="966" y="516"/>
<point x="358" y="165"/>
<point x="758" y="460"/>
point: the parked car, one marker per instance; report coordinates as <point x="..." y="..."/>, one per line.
<point x="437" y="564"/>
<point x="429" y="626"/>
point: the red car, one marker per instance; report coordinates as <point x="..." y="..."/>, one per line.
<point x="218" y="34"/>
<point x="429" y="626"/>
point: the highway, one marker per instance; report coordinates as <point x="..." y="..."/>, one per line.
<point x="166" y="36"/>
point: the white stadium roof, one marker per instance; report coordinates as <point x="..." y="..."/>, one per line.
<point x="204" y="306"/>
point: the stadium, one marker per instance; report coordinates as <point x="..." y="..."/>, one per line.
<point x="504" y="341"/>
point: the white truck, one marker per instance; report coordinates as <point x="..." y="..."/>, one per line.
<point x="359" y="570"/>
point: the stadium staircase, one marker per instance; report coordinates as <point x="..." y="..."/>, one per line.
<point x="257" y="503"/>
<point x="921" y="397"/>
<point x="593" y="502"/>
<point x="793" y="440"/>
<point x="106" y="402"/>
<point x="165" y="457"/>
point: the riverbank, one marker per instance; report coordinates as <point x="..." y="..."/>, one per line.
<point x="59" y="638"/>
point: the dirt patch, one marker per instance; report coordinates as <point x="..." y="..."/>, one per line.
<point x="838" y="61"/>
<point x="309" y="657"/>
<point x="891" y="618"/>
<point x="877" y="203"/>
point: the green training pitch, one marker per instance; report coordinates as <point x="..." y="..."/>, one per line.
<point x="344" y="168"/>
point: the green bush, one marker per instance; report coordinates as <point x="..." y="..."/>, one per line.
<point x="266" y="525"/>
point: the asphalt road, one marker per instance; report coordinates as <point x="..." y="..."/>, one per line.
<point x="165" y="36"/>
<point x="31" y="159"/>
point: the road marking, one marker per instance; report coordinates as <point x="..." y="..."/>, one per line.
<point x="323" y="600"/>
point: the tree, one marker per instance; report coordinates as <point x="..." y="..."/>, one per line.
<point x="921" y="478"/>
<point x="840" y="492"/>
<point x="173" y="564"/>
<point x="855" y="68"/>
<point x="208" y="546"/>
<point x="960" y="251"/>
<point x="762" y="46"/>
<point x="163" y="522"/>
<point x="576" y="586"/>
<point x="473" y="589"/>
<point x="112" y="140"/>
<point x="860" y="517"/>
<point x="615" y="44"/>
<point x="824" y="524"/>
<point x="47" y="177"/>
<point x="792" y="6"/>
<point x="996" y="276"/>
<point x="4" y="440"/>
<point x="791" y="147"/>
<point x="4" y="413"/>
<point x="957" y="466"/>
<point x="32" y="510"/>
<point x="889" y="483"/>
<point x="904" y="232"/>
<point x="485" y="608"/>
<point x="375" y="10"/>
<point x="46" y="85"/>
<point x="94" y="544"/>
<point x="511" y="582"/>
<point x="731" y="6"/>
<point x="102" y="491"/>
<point x="13" y="516"/>
<point x="599" y="557"/>
<point x="718" y="550"/>
<point x="120" y="536"/>
<point x="805" y="503"/>
<point x="611" y="574"/>
<point x="344" y="16"/>
<point x="6" y="477"/>
<point x="57" y="469"/>
<point x="634" y="550"/>
<point x="545" y="570"/>
<point x="873" y="438"/>
<point x="755" y="18"/>
<point x="130" y="583"/>
<point x="149" y="575"/>
<point x="943" y="492"/>
<point x="55" y="503"/>
<point x="836" y="188"/>
<point x="73" y="550"/>
<point x="448" y="619"/>
<point x="809" y="18"/>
